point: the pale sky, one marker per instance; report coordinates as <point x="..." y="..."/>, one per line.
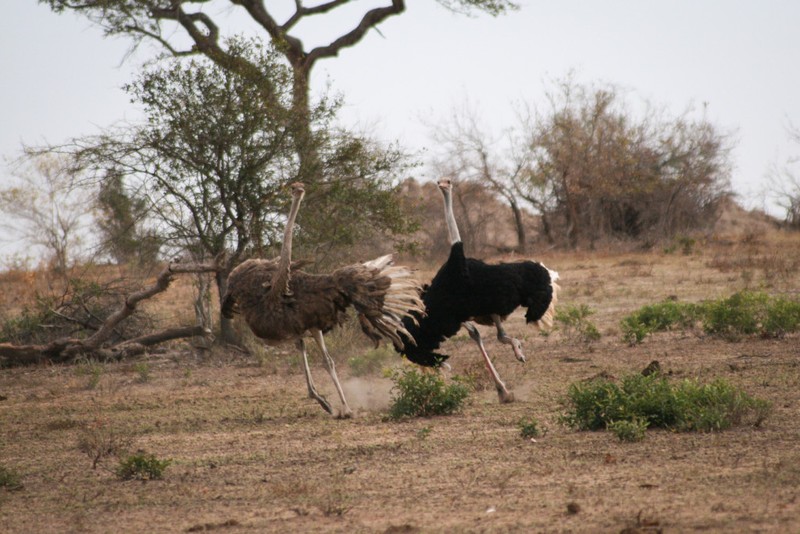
<point x="61" y="78"/>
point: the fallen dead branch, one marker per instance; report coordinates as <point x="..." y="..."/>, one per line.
<point x="96" y="345"/>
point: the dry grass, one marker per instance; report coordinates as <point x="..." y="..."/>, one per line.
<point x="251" y="454"/>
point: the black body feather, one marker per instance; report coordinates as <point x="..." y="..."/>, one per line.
<point x="467" y="289"/>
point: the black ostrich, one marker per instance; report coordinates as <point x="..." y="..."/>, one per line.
<point x="467" y="290"/>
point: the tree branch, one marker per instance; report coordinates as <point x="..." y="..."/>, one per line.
<point x="67" y="348"/>
<point x="370" y="19"/>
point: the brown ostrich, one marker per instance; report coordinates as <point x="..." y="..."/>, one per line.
<point x="280" y="303"/>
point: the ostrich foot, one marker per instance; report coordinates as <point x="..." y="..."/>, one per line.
<point x="344" y="414"/>
<point x="505" y="396"/>
<point x="518" y="353"/>
<point x="322" y="402"/>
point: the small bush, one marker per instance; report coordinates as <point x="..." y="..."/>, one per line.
<point x="142" y="370"/>
<point x="631" y="431"/>
<point x="652" y="401"/>
<point x="9" y="479"/>
<point x="92" y="369"/>
<point x="686" y="245"/>
<point x="423" y="394"/>
<point x="659" y="317"/>
<point x="742" y="314"/>
<point x="529" y="428"/>
<point x="747" y="313"/>
<point x="99" y="440"/>
<point x="141" y="466"/>
<point x="575" y="323"/>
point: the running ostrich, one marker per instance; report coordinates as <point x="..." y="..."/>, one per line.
<point x="280" y="303"/>
<point x="467" y="291"/>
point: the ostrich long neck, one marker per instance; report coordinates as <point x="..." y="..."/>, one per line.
<point x="452" y="227"/>
<point x="280" y="285"/>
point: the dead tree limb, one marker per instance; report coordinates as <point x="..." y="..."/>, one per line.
<point x="67" y="349"/>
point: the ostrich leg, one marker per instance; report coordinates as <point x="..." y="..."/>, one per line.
<point x="508" y="340"/>
<point x="502" y="391"/>
<point x="331" y="367"/>
<point x="312" y="391"/>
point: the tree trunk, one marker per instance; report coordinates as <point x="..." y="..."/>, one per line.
<point x="307" y="153"/>
<point x="521" y="238"/>
<point x="227" y="333"/>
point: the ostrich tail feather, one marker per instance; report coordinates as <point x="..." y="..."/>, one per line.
<point x="398" y="299"/>
<point x="546" y="320"/>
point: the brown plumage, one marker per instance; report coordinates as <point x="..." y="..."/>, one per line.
<point x="281" y="304"/>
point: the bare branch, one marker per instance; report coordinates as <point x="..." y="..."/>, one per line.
<point x="307" y="11"/>
<point x="370" y="19"/>
<point x="67" y="348"/>
<point x="129" y="307"/>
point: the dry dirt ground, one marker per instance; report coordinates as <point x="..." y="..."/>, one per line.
<point x="251" y="454"/>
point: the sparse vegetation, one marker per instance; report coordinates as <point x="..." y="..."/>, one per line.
<point x="575" y="324"/>
<point x="631" y="430"/>
<point x="747" y="313"/>
<point x="92" y="369"/>
<point x="9" y="479"/>
<point x="659" y="317"/>
<point x="652" y="401"/>
<point x="240" y="435"/>
<point x="99" y="439"/>
<point x="742" y="314"/>
<point x="141" y="466"/>
<point x="529" y="428"/>
<point x="424" y="394"/>
<point x="142" y="370"/>
<point x="683" y="243"/>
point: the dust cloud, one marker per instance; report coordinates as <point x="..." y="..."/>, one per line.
<point x="371" y="394"/>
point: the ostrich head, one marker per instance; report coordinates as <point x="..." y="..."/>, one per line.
<point x="298" y="189"/>
<point x="445" y="184"/>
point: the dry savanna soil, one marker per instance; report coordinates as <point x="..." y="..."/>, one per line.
<point x="250" y="452"/>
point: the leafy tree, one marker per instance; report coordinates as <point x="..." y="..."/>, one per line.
<point x="596" y="170"/>
<point x="157" y="20"/>
<point x="120" y="222"/>
<point x="213" y="158"/>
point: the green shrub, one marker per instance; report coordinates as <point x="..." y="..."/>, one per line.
<point x="31" y="325"/>
<point x="742" y="314"/>
<point x="629" y="430"/>
<point x="659" y="317"/>
<point x="685" y="243"/>
<point x="142" y="369"/>
<point x="735" y="316"/>
<point x="423" y="394"/>
<point x="575" y="323"/>
<point x="141" y="466"/>
<point x="9" y="479"/>
<point x="529" y="428"/>
<point x="90" y="368"/>
<point x="653" y="401"/>
<point x="747" y="313"/>
<point x="718" y="406"/>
